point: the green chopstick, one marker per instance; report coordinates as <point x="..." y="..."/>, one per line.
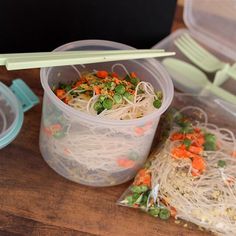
<point x="37" y="60"/>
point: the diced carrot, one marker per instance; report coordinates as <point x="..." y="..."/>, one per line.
<point x="179" y="153"/>
<point x="177" y="136"/>
<point x="142" y="172"/>
<point x="78" y="83"/>
<point x="139" y="130"/>
<point x="173" y="211"/>
<point x="197" y="130"/>
<point x="102" y="74"/>
<point x="195" y="173"/>
<point x="116" y="80"/>
<point x="131" y="91"/>
<point x="126" y="163"/>
<point x="147" y="180"/>
<point x="198" y="163"/>
<point x="97" y="90"/>
<point x="60" y="93"/>
<point x="233" y="154"/>
<point x="66" y="99"/>
<point x="133" y="75"/>
<point x="114" y="75"/>
<point x="48" y="131"/>
<point x="196" y="150"/>
<point x="55" y="127"/>
<point x="199" y="142"/>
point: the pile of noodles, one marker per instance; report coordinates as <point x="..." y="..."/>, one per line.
<point x="208" y="200"/>
<point x="141" y="105"/>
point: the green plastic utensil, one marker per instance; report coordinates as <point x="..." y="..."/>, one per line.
<point x="204" y="59"/>
<point x="189" y="78"/>
<point x="37" y="60"/>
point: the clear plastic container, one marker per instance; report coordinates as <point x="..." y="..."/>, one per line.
<point x="90" y="150"/>
<point x="212" y="25"/>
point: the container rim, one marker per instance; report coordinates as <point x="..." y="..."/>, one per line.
<point x="12" y="131"/>
<point x="149" y="62"/>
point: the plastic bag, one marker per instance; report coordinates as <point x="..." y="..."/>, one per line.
<point x="145" y="194"/>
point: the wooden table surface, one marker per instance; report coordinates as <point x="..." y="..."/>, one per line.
<point x="35" y="200"/>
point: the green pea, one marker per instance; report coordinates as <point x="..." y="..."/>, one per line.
<point x="134" y="81"/>
<point x="110" y="85"/>
<point x="97" y="106"/>
<point x="221" y="163"/>
<point x="107" y="103"/>
<point x="164" y="214"/>
<point x="117" y="98"/>
<point x="210" y="142"/>
<point x="102" y="98"/>
<point x="129" y="96"/>
<point x="157" y="103"/>
<point x="159" y="95"/>
<point x="154" y="211"/>
<point x="59" y="134"/>
<point x="120" y="89"/>
<point x="139" y="189"/>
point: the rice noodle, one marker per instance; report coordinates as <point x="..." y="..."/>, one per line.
<point x="208" y="200"/>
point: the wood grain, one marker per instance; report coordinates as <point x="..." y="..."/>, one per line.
<point x="34" y="200"/>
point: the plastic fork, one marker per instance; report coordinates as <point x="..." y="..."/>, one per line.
<point x="204" y="59"/>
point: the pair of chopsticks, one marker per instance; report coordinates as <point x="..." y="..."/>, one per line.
<point x="63" y="58"/>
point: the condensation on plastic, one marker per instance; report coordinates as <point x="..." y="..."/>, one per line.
<point x="79" y="123"/>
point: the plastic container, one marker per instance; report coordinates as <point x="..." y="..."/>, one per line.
<point x="212" y="25"/>
<point x="90" y="150"/>
<point x="14" y="101"/>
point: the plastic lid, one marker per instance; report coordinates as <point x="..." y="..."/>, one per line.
<point x="11" y="116"/>
<point x="214" y="19"/>
<point x="13" y="102"/>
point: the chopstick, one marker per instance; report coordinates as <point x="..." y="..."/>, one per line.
<point x="4" y="57"/>
<point x="36" y="60"/>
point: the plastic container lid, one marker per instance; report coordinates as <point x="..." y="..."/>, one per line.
<point x="13" y="102"/>
<point x="215" y="21"/>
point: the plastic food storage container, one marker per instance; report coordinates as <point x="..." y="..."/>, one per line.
<point x="14" y="101"/>
<point x="91" y="150"/>
<point x="212" y="24"/>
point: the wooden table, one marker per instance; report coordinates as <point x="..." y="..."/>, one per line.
<point x="34" y="200"/>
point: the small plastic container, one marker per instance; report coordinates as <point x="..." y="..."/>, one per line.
<point x="212" y="24"/>
<point x="91" y="150"/>
<point x="14" y="101"/>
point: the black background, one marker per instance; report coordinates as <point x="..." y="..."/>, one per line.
<point x="32" y="25"/>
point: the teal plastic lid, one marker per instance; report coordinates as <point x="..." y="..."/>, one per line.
<point x="13" y="102"/>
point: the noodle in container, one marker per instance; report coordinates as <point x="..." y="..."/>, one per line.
<point x="93" y="150"/>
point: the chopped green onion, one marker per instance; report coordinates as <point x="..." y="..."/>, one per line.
<point x="187" y="143"/>
<point x="221" y="163"/>
<point x="120" y="89"/>
<point x="107" y="103"/>
<point x="157" y="103"/>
